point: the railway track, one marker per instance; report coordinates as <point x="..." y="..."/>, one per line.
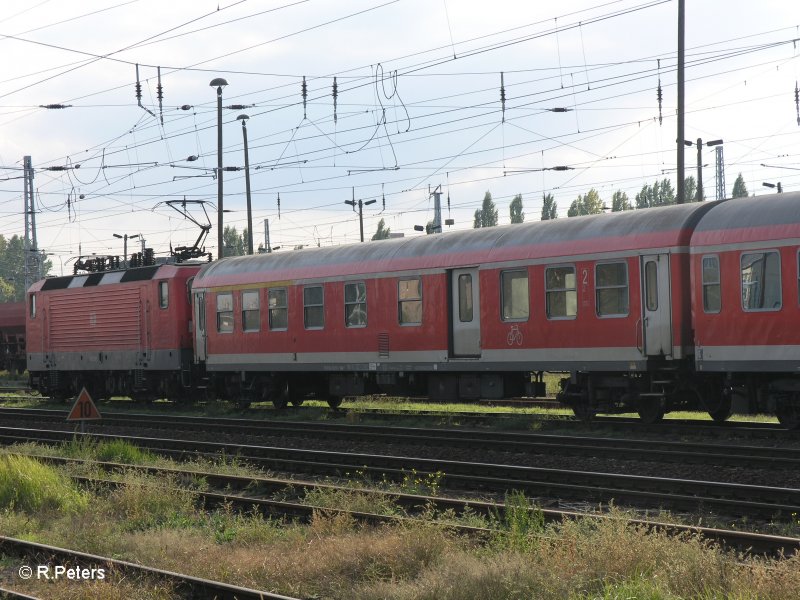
<point x="249" y="493"/>
<point x="749" y="542"/>
<point x="683" y="452"/>
<point x="652" y="492"/>
<point x="186" y="585"/>
<point x="675" y="427"/>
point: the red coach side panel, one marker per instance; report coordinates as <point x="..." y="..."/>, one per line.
<point x="745" y="285"/>
<point x="587" y="341"/>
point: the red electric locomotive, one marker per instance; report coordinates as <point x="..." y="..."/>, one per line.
<point x="115" y="332"/>
<point x="464" y="315"/>
<point x="12" y="336"/>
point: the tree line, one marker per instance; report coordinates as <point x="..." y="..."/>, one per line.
<point x="12" y="268"/>
<point x="660" y="193"/>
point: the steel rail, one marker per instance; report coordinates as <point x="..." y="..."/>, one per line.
<point x="195" y="587"/>
<point x="750" y="542"/>
<point x="626" y="449"/>
<point x="682" y="494"/>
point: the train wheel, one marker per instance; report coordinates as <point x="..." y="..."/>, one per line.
<point x="716" y="401"/>
<point x="722" y="411"/>
<point x="297" y="401"/>
<point x="280" y="395"/>
<point x="650" y="409"/>
<point x="335" y="401"/>
<point x="787" y="409"/>
<point x="583" y="412"/>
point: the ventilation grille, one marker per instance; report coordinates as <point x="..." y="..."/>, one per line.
<point x="383" y="345"/>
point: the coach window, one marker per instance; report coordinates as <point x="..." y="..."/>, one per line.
<point x="712" y="298"/>
<point x="251" y="315"/>
<point x="798" y="275"/>
<point x="224" y="313"/>
<point x="761" y="281"/>
<point x="651" y="285"/>
<point x="611" y="289"/>
<point x="355" y="304"/>
<point x="561" y="293"/>
<point x="409" y="300"/>
<point x="514" y="296"/>
<point x="32" y="305"/>
<point x="163" y="294"/>
<point x="278" y="309"/>
<point x="465" y="298"/>
<point x="313" y="307"/>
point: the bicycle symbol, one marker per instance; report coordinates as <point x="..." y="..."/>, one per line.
<point x="514" y="336"/>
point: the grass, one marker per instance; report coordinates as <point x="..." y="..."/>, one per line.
<point x="30" y="486"/>
<point x="147" y="519"/>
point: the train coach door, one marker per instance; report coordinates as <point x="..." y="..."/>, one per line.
<point x="465" y="311"/>
<point x="656" y="305"/>
<point x="200" y="326"/>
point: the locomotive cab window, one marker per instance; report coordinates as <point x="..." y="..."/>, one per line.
<point x="355" y="304"/>
<point x="761" y="281"/>
<point x="561" y="293"/>
<point x="251" y="314"/>
<point x="313" y="307"/>
<point x="409" y="301"/>
<point x="163" y="294"/>
<point x="278" y="309"/>
<point x="514" y="297"/>
<point x="225" y="313"/>
<point x="712" y="298"/>
<point x="611" y="289"/>
<point x="32" y="305"/>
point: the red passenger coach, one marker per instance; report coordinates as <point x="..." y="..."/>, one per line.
<point x="12" y="336"/>
<point x="115" y="332"/>
<point x="745" y="257"/>
<point x="463" y="315"/>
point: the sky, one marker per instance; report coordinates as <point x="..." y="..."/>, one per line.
<point x="418" y="105"/>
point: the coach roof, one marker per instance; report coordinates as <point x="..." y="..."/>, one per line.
<point x="770" y="217"/>
<point x="596" y="234"/>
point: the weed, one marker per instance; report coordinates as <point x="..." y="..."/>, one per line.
<point x="31" y="486"/>
<point x="427" y="484"/>
<point x="144" y="502"/>
<point x="521" y="523"/>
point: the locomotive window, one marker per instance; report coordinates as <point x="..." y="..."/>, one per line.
<point x="761" y="281"/>
<point x="409" y="298"/>
<point x="278" y="312"/>
<point x="651" y="285"/>
<point x="32" y="305"/>
<point x="313" y="307"/>
<point x="465" y="298"/>
<point x="355" y="304"/>
<point x="611" y="289"/>
<point x="225" y="313"/>
<point x="712" y="298"/>
<point x="561" y="292"/>
<point x="251" y="315"/>
<point x="163" y="294"/>
<point x="514" y="295"/>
